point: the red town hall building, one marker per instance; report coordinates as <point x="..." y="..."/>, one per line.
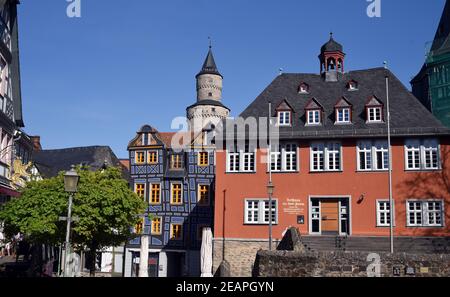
<point x="330" y="170"/>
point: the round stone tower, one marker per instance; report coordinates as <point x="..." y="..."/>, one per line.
<point x="208" y="110"/>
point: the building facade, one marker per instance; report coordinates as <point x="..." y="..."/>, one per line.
<point x="432" y="84"/>
<point x="15" y="145"/>
<point x="330" y="168"/>
<point x="177" y="181"/>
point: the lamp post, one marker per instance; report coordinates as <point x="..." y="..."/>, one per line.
<point x="71" y="179"/>
<point x="270" y="188"/>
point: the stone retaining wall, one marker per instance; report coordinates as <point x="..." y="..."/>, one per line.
<point x="240" y="256"/>
<point x="346" y="264"/>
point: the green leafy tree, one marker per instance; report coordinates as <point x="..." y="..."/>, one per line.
<point x="104" y="204"/>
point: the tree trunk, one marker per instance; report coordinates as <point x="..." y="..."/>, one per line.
<point x="93" y="255"/>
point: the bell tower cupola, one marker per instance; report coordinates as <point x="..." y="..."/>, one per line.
<point x="332" y="60"/>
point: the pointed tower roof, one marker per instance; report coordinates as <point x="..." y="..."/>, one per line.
<point x="209" y="66"/>
<point x="332" y="46"/>
<point x="441" y="43"/>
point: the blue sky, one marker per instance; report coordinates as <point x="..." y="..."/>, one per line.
<point x="95" y="80"/>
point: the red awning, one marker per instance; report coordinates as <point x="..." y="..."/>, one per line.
<point x="10" y="192"/>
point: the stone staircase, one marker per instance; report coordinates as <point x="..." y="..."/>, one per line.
<point x="434" y="245"/>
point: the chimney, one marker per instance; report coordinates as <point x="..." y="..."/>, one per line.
<point x="36" y="140"/>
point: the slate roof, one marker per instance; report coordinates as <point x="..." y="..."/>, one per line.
<point x="209" y="66"/>
<point x="408" y="116"/>
<point x="51" y="162"/>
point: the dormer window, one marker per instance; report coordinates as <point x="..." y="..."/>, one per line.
<point x="284" y="113"/>
<point x="343" y="115"/>
<point x="313" y="112"/>
<point x="303" y="88"/>
<point x="374" y="110"/>
<point x="284" y="118"/>
<point x="374" y="114"/>
<point x="343" y="111"/>
<point x="313" y="117"/>
<point x="352" y="85"/>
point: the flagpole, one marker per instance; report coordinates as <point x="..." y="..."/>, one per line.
<point x="270" y="185"/>
<point x="391" y="200"/>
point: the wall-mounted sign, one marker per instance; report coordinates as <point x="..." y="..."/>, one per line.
<point x="293" y="206"/>
<point x="301" y="219"/>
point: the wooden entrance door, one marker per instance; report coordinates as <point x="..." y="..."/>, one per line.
<point x="330" y="215"/>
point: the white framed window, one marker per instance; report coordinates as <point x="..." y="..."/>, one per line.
<point x="317" y="157"/>
<point x="290" y="157"/>
<point x="430" y="154"/>
<point x="414" y="213"/>
<point x="284" y="118"/>
<point x="381" y="156"/>
<point x="422" y="155"/>
<point x="233" y="162"/>
<point x="412" y="154"/>
<point x="249" y="162"/>
<point x="433" y="213"/>
<point x="242" y="161"/>
<point x="372" y="155"/>
<point x="275" y="161"/>
<point x="313" y="117"/>
<point x="257" y="211"/>
<point x="343" y="115"/>
<point x="326" y="156"/>
<point x="333" y="153"/>
<point x="374" y="114"/>
<point x="427" y="213"/>
<point x="383" y="213"/>
<point x="284" y="158"/>
<point x="364" y="149"/>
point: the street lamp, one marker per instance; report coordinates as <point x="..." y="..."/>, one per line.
<point x="71" y="179"/>
<point x="270" y="188"/>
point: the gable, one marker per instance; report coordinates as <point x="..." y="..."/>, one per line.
<point x="284" y="106"/>
<point x="373" y="101"/>
<point x="343" y="102"/>
<point x="313" y="104"/>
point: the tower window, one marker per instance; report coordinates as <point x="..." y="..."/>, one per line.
<point x="210" y="94"/>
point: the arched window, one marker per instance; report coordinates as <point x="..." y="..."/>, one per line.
<point x="339" y="65"/>
<point x="331" y="64"/>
